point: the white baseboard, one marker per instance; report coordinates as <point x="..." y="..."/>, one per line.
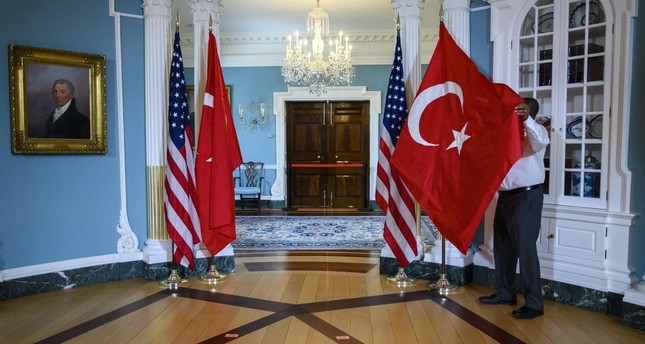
<point x="64" y="265"/>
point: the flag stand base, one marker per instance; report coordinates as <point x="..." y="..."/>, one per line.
<point x="443" y="286"/>
<point x="173" y="282"/>
<point x="401" y="279"/>
<point x="213" y="276"/>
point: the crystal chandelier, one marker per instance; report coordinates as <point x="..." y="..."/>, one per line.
<point x="305" y="64"/>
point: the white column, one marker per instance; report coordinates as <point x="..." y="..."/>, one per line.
<point x="157" y="15"/>
<point x="457" y="21"/>
<point x="204" y="11"/>
<point x="409" y="12"/>
<point x="205" y="18"/>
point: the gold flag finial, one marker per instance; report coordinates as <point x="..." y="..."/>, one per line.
<point x="398" y="23"/>
<point x="210" y="22"/>
<point x="177" y="21"/>
<point x="441" y="11"/>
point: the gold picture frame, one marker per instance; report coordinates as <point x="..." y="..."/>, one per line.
<point x="42" y="80"/>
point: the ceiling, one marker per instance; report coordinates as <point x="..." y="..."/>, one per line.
<point x="254" y="32"/>
<point x="286" y="16"/>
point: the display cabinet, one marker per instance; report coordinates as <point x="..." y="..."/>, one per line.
<point x="567" y="55"/>
<point x="561" y="62"/>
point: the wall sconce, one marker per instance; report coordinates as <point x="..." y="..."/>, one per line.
<point x="253" y="116"/>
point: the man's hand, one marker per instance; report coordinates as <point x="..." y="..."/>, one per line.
<point x="522" y="110"/>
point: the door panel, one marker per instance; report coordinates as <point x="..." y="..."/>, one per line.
<point x="307" y="187"/>
<point x="329" y="134"/>
<point x="306" y="132"/>
<point x="347" y="187"/>
<point x="349" y="137"/>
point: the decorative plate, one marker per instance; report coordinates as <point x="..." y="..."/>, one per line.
<point x="595" y="127"/>
<point x="545" y="23"/>
<point x="574" y="129"/>
<point x="595" y="12"/>
<point x="528" y="26"/>
<point x="579" y="16"/>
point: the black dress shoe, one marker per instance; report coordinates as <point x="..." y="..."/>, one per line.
<point x="526" y="313"/>
<point x="495" y="300"/>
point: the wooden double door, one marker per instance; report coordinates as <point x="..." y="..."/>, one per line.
<point x="328" y="154"/>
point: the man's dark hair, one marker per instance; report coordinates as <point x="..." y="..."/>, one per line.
<point x="69" y="84"/>
<point x="534" y="107"/>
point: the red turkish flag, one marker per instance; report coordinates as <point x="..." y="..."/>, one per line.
<point x="460" y="140"/>
<point x="218" y="155"/>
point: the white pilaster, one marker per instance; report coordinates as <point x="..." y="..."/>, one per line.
<point x="128" y="241"/>
<point x="501" y="12"/>
<point x="157" y="17"/>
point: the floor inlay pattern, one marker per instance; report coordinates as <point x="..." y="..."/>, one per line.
<point x="280" y="310"/>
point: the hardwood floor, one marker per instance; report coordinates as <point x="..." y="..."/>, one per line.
<point x="293" y="297"/>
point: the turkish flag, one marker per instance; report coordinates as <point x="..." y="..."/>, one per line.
<point x="218" y="155"/>
<point x="460" y="140"/>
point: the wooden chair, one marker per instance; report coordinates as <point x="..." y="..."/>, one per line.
<point x="248" y="183"/>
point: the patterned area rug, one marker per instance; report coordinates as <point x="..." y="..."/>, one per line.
<point x="310" y="232"/>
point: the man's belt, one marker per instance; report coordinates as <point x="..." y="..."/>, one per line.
<point x="506" y="193"/>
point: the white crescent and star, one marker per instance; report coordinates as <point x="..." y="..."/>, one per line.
<point x="422" y="101"/>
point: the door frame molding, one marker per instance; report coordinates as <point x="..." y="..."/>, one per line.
<point x="347" y="93"/>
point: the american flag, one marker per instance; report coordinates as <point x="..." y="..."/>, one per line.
<point x="391" y="194"/>
<point x="180" y="195"/>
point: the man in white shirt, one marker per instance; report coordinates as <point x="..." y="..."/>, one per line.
<point x="517" y="221"/>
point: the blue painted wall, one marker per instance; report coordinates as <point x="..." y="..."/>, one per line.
<point x="64" y="207"/>
<point x="57" y="207"/>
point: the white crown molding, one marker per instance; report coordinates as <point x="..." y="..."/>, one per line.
<point x="267" y="49"/>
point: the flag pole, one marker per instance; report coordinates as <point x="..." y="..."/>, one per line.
<point x="401" y="279"/>
<point x="174" y="281"/>
<point x="442" y="286"/>
<point x="212" y="276"/>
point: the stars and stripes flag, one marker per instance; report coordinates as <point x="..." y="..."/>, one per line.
<point x="180" y="195"/>
<point x="391" y="194"/>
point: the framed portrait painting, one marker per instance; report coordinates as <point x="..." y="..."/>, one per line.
<point x="57" y="101"/>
